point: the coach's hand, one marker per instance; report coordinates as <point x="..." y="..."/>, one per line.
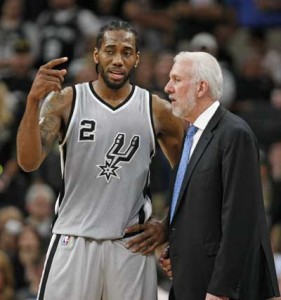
<point x="48" y="79"/>
<point x="151" y="237"/>
<point x="165" y="262"/>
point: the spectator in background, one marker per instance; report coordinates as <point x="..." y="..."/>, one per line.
<point x="274" y="157"/>
<point x="270" y="56"/>
<point x="107" y="10"/>
<point x="103" y="8"/>
<point x="12" y="183"/>
<point x="7" y="291"/>
<point x="161" y="70"/>
<point x="82" y="69"/>
<point x="252" y="15"/>
<point x="9" y="233"/>
<point x="193" y="16"/>
<point x="256" y="14"/>
<point x="13" y="28"/>
<point x="6" y="135"/>
<point x="33" y="8"/>
<point x="30" y="249"/>
<point x="29" y="245"/>
<point x="11" y="222"/>
<point x="223" y="33"/>
<point x="254" y="84"/>
<point x="34" y="273"/>
<point x="275" y="98"/>
<point x="151" y="19"/>
<point x="143" y="75"/>
<point x="39" y="202"/>
<point x="64" y="30"/>
<point x="22" y="62"/>
<point x="50" y="170"/>
<point x="20" y="75"/>
<point x="8" y="213"/>
<point x="18" y="79"/>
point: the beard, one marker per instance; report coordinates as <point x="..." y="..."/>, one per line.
<point x="111" y="84"/>
<point x="182" y="111"/>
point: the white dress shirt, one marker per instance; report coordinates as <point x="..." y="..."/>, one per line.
<point x="201" y="123"/>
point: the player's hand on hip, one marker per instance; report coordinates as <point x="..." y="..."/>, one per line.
<point x="151" y="237"/>
<point x="165" y="262"/>
<point x="48" y="79"/>
<point x="213" y="297"/>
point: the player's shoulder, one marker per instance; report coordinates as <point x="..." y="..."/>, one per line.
<point x="160" y="105"/>
<point x="58" y="101"/>
<point x="60" y="97"/>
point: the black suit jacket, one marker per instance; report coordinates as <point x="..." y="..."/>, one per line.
<point x="218" y="237"/>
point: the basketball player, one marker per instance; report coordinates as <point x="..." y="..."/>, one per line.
<point x="107" y="131"/>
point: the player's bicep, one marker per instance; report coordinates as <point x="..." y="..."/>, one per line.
<point x="49" y="129"/>
<point x="50" y="123"/>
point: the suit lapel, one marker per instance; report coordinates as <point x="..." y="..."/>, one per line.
<point x="200" y="148"/>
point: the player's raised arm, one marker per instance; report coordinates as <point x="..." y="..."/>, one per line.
<point x="40" y="125"/>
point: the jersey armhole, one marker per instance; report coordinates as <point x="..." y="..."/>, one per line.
<point x="62" y="141"/>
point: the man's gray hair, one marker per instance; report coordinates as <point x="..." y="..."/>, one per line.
<point x="204" y="67"/>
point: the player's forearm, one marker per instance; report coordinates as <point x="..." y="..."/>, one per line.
<point x="29" y="147"/>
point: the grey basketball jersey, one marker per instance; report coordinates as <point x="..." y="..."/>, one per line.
<point x="105" y="159"/>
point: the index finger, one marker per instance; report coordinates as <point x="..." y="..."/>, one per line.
<point x="135" y="241"/>
<point x="134" y="228"/>
<point x="57" y="61"/>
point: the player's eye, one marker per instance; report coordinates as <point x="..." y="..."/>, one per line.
<point x="128" y="53"/>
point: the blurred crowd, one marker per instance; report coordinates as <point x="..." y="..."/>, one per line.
<point x="245" y="37"/>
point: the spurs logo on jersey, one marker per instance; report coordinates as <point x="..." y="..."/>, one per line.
<point x="105" y="157"/>
<point x="115" y="156"/>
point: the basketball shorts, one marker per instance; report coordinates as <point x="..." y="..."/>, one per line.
<point x="78" y="268"/>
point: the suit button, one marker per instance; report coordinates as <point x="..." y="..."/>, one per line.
<point x="173" y="229"/>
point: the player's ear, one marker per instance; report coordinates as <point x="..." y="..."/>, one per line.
<point x="96" y="55"/>
<point x="138" y="59"/>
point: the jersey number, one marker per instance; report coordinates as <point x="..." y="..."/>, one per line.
<point x="86" y="132"/>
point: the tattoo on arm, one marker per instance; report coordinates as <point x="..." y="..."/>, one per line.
<point x="49" y="128"/>
<point x="59" y="97"/>
<point x="49" y="124"/>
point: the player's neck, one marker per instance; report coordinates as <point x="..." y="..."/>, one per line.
<point x="112" y="96"/>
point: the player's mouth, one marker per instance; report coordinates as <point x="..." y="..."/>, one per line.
<point x="116" y="75"/>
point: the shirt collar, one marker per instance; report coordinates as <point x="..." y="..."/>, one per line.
<point x="202" y="121"/>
